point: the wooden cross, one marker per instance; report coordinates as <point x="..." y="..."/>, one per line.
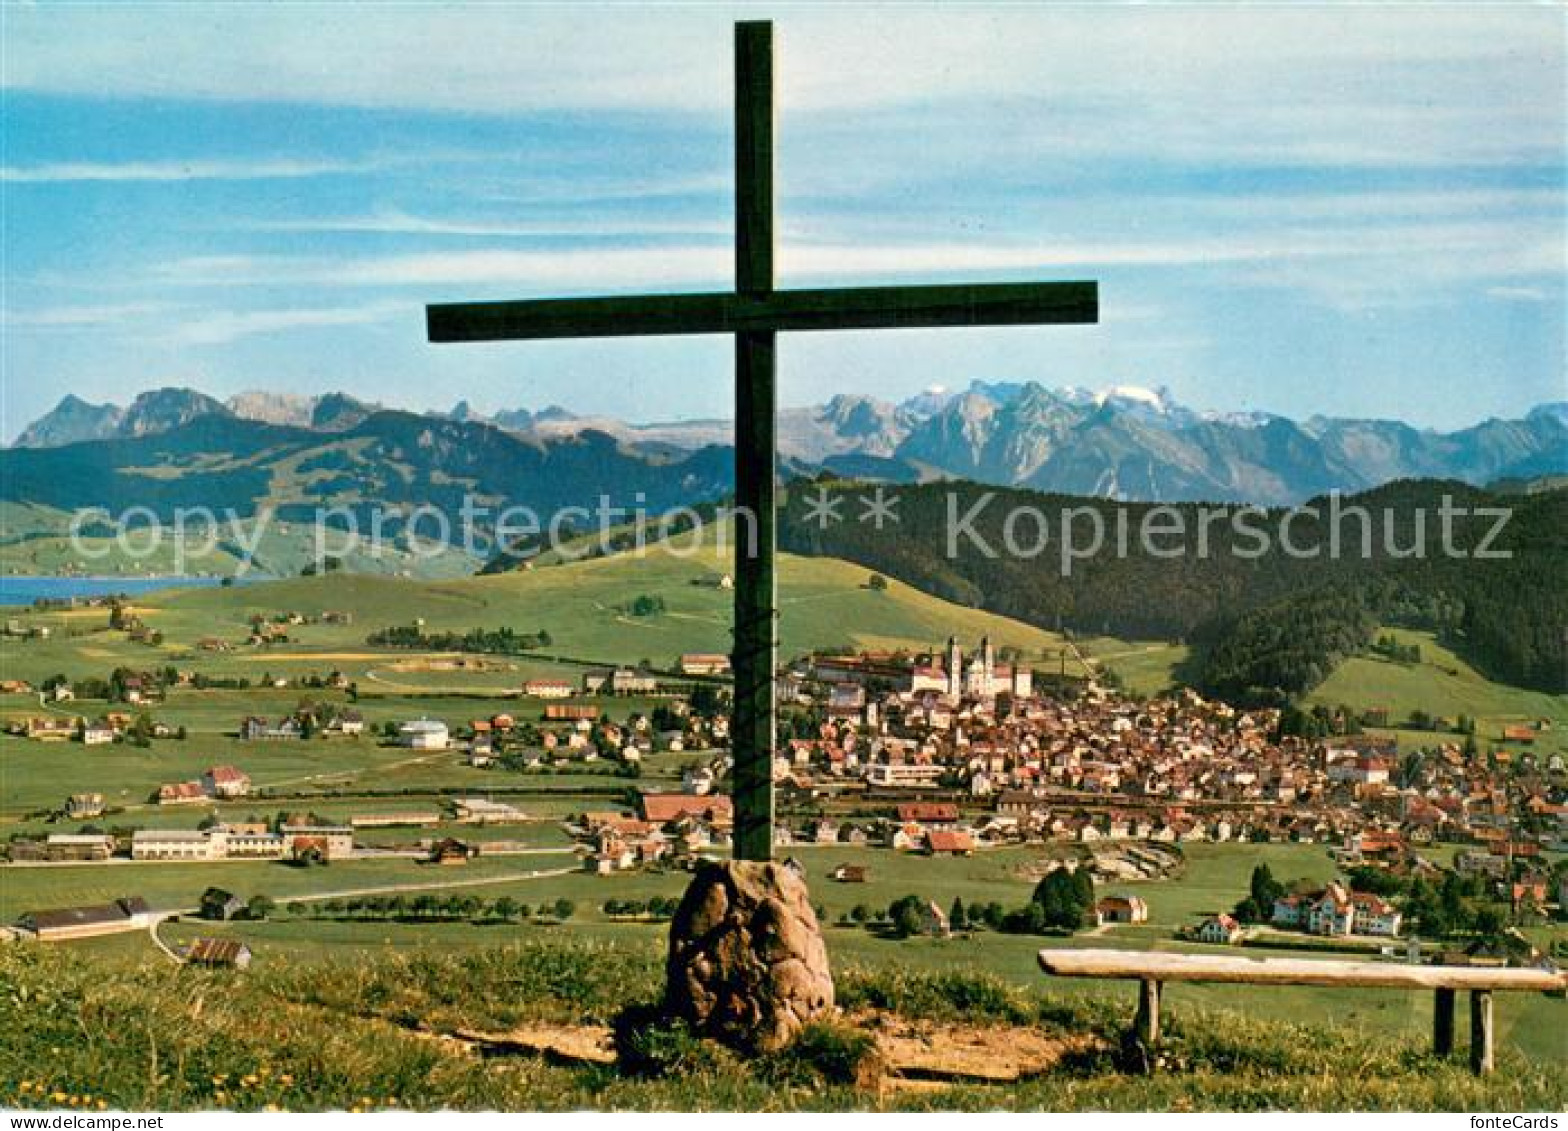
<point x="754" y="312"/>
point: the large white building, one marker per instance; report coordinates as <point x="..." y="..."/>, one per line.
<point x="172" y="844"/>
<point x="903" y="775"/>
<point x="424" y="734"/>
<point x="1337" y="911"/>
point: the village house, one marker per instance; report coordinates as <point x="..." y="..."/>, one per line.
<point x="171" y="844"/>
<point x="1122" y="909"/>
<point x="254" y="728"/>
<point x="348" y="723"/>
<point x="182" y="793"/>
<point x="620" y="681"/>
<point x="663" y="808"/>
<point x="97" y="734"/>
<point x="483" y="811"/>
<point x="84" y="806"/>
<point x="1337" y="911"/>
<point x="704" y="664"/>
<point x="417" y="819"/>
<point x="225" y="782"/>
<point x="51" y="728"/>
<point x="217" y="904"/>
<point x="938" y="813"/>
<point x="904" y="775"/>
<point x="1221" y="930"/>
<point x="220" y="953"/>
<point x="246" y="841"/>
<point x="949" y="842"/>
<point x="78" y="847"/>
<point x="450" y="850"/>
<point x="305" y="841"/>
<point x="128" y="914"/>
<point x="424" y="734"/>
<point x="548" y="689"/>
<point x="933" y="921"/>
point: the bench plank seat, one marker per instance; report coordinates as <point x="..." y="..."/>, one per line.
<point x="1154" y="968"/>
<point x="1167" y="967"/>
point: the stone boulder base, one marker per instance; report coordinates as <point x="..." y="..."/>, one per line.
<point x="747" y="964"/>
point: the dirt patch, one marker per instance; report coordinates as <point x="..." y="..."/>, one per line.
<point x="1116" y="862"/>
<point x="571" y="1044"/>
<point x="915" y="1055"/>
<point x="994" y="1054"/>
<point x="273" y="656"/>
<point x="450" y="664"/>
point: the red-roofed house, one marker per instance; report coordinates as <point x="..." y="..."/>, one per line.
<point x="662" y="808"/>
<point x="949" y="842"/>
<point x="225" y="781"/>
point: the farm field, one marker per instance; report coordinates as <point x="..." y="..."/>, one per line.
<point x="1215" y="876"/>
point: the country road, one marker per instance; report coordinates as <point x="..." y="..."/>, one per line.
<point x="161" y="917"/>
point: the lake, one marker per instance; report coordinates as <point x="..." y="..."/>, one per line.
<point x="26" y="590"/>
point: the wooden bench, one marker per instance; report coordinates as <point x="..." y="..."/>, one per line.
<point x="1154" y="968"/>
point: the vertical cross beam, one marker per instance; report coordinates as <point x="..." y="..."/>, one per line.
<point x="754" y="725"/>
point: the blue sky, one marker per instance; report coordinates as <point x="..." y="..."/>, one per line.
<point x="1347" y="210"/>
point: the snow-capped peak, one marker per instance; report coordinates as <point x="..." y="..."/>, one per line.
<point x="1155" y="399"/>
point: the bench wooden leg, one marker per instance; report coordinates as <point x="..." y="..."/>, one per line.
<point x="1443" y="1022"/>
<point x="1147" y="1025"/>
<point x="1481" y="1058"/>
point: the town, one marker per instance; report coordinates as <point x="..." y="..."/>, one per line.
<point x="947" y="753"/>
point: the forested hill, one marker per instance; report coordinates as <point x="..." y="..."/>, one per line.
<point x="1267" y="621"/>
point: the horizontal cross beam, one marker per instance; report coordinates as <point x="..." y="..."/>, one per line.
<point x="848" y="308"/>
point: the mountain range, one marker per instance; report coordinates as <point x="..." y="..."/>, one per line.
<point x="1123" y="442"/>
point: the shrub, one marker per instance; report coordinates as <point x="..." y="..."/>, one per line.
<point x="829" y="1053"/>
<point x="649" y="1042"/>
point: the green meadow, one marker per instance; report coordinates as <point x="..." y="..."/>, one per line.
<point x="824" y="603"/>
<point x="1214" y="878"/>
<point x="1444" y="686"/>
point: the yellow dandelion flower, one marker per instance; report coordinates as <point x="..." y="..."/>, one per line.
<point x="272" y="1107"/>
<point x="57" y="1097"/>
<point x="391" y="1101"/>
<point x="250" y="1080"/>
<point x="74" y="1100"/>
<point x="103" y="1105"/>
<point x="286" y="1080"/>
<point x="366" y="1101"/>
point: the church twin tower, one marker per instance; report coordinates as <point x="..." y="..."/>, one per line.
<point x="982" y="677"/>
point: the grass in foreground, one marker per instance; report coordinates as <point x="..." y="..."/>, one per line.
<point x="90" y="1031"/>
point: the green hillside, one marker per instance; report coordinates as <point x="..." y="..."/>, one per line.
<point x="1443" y="686"/>
<point x="824" y="603"/>
<point x="37" y="541"/>
<point x="82" y="1031"/>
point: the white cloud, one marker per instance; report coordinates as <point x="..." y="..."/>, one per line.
<point x="1520" y="294"/>
<point x="395" y="222"/>
<point x="1327" y="83"/>
<point x="81" y="317"/>
<point x="196" y="169"/>
<point x="209" y="328"/>
<point x="1421" y="252"/>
